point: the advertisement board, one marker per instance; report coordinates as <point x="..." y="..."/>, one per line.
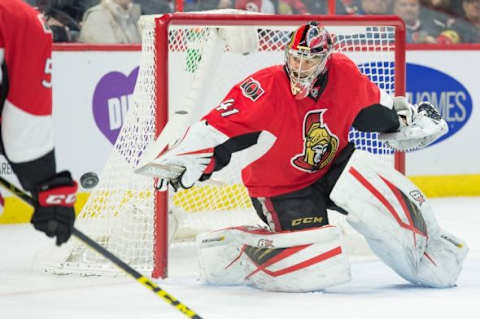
<point x="449" y="79"/>
<point x="93" y="91"/>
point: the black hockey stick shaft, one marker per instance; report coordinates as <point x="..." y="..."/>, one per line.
<point x="111" y="257"/>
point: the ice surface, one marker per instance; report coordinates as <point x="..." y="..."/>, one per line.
<point x="374" y="292"/>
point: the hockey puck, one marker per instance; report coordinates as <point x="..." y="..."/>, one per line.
<point x="89" y="180"/>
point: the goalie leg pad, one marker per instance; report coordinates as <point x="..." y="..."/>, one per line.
<point x="442" y="262"/>
<point x="300" y="261"/>
<point x="398" y="223"/>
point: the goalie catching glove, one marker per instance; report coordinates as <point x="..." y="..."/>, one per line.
<point x="420" y="125"/>
<point x="186" y="161"/>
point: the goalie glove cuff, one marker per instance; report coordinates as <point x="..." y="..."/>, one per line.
<point x="405" y="111"/>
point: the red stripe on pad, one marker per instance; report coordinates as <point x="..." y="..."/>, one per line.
<point x="383" y="200"/>
<point x="290" y="251"/>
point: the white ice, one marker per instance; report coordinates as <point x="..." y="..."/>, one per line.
<point x="374" y="292"/>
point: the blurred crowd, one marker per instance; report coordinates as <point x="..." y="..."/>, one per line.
<point x="115" y="21"/>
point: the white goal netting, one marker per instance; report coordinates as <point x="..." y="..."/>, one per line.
<point x="204" y="60"/>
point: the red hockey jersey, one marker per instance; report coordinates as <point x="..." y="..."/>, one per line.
<point x="309" y="133"/>
<point x="25" y="56"/>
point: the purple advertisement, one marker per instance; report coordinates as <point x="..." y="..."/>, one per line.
<point x="111" y="100"/>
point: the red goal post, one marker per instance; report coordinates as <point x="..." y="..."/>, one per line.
<point x="162" y="25"/>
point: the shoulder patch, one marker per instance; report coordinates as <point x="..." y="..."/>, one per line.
<point x="252" y="89"/>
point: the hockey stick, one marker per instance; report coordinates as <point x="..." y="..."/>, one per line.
<point x="111" y="257"/>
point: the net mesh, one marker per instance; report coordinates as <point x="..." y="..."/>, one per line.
<point x="119" y="212"/>
<point x="204" y="63"/>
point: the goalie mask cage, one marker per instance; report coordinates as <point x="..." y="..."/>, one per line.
<point x="188" y="63"/>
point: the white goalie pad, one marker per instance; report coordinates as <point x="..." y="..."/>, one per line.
<point x="301" y="261"/>
<point x="398" y="223"/>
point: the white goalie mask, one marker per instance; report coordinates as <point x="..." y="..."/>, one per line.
<point x="306" y="57"/>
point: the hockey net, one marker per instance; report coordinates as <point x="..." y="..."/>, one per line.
<point x="194" y="59"/>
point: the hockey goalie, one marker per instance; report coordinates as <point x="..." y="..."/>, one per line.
<point x="297" y="117"/>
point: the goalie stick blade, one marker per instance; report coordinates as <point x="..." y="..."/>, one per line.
<point x="169" y="172"/>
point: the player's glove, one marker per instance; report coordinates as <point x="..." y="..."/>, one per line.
<point x="421" y="127"/>
<point x="54" y="213"/>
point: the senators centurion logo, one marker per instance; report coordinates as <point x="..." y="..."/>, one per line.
<point x="320" y="145"/>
